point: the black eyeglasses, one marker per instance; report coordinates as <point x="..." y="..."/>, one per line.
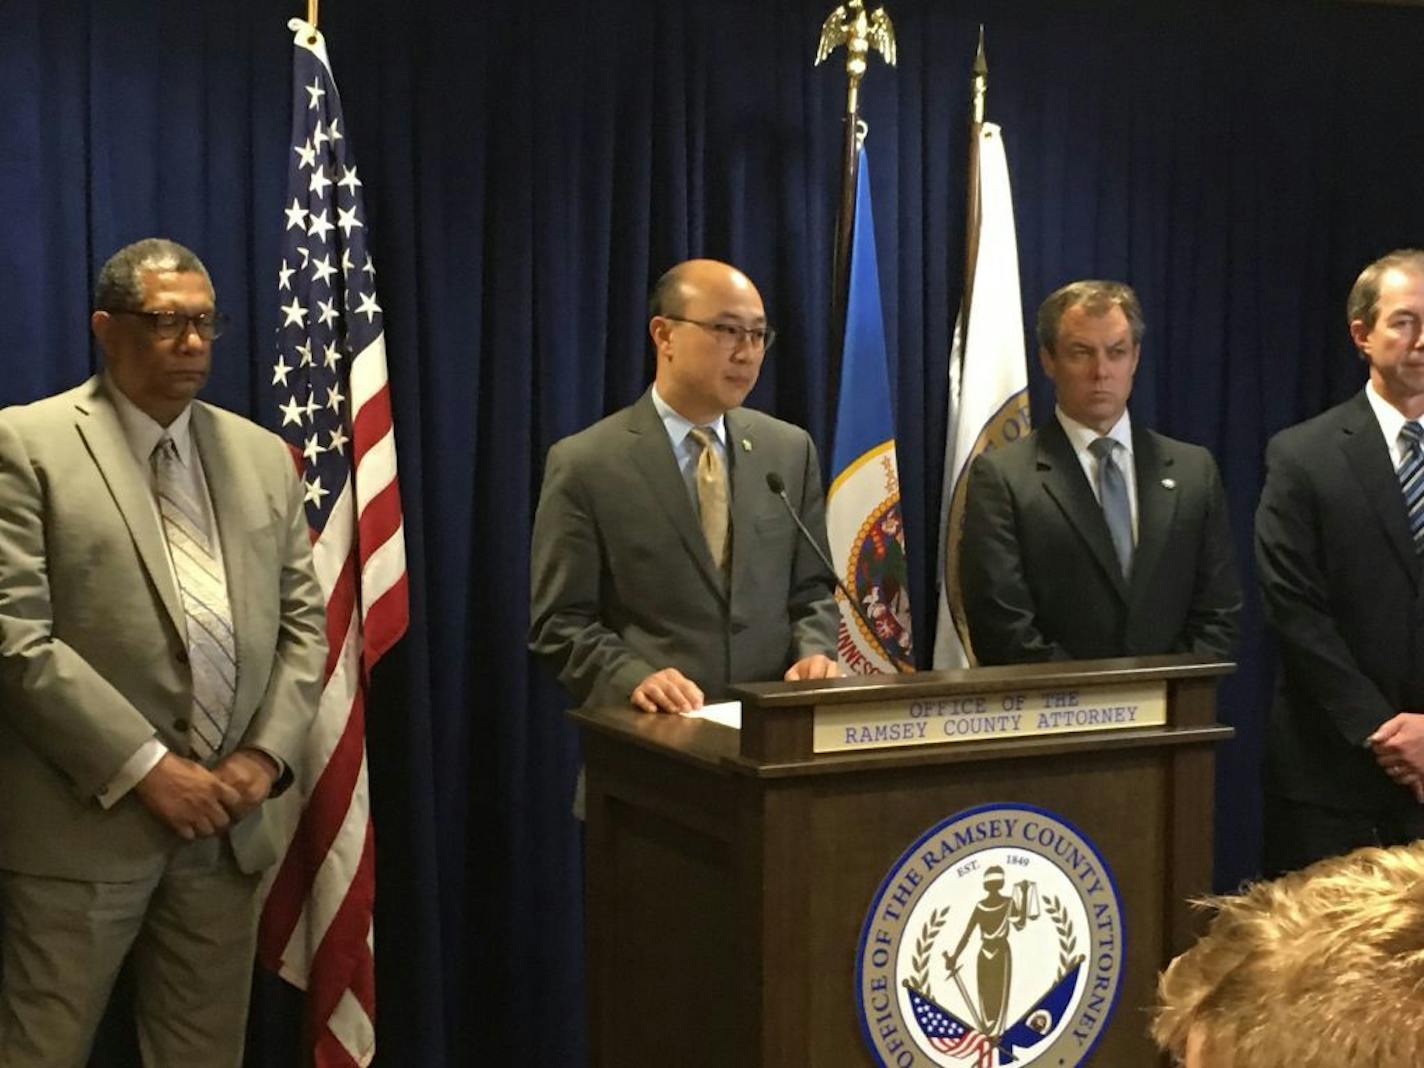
<point x="730" y="336"/>
<point x="171" y="324"/>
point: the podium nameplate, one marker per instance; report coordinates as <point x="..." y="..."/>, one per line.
<point x="991" y="714"/>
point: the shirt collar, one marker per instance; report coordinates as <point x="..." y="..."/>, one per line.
<point x="1080" y="436"/>
<point x="677" y="425"/>
<point x="143" y="432"/>
<point x="1390" y="418"/>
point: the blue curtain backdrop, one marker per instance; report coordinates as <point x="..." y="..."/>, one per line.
<point x="529" y="168"/>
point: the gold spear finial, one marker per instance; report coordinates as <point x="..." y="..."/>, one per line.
<point x="979" y="82"/>
<point x="850" y="25"/>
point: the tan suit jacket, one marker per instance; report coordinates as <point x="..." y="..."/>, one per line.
<point x="93" y="655"/>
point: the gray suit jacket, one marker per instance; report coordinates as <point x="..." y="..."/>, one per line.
<point x="1038" y="572"/>
<point x="93" y="655"/>
<point x="622" y="583"/>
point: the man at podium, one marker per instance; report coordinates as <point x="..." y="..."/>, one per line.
<point x="663" y="567"/>
<point x="1094" y="537"/>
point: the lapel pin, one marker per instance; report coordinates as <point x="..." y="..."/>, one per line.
<point x="746" y="444"/>
<point x="1169" y="483"/>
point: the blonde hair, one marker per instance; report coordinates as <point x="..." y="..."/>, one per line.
<point x="1321" y="968"/>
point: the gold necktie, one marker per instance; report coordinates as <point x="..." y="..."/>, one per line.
<point x="712" y="496"/>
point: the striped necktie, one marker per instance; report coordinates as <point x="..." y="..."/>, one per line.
<point x="1112" y="494"/>
<point x="1411" y="480"/>
<point x="712" y="495"/>
<point x="202" y="582"/>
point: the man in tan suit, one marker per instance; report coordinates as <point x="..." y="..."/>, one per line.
<point x="161" y="654"/>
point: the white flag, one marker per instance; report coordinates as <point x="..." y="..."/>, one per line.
<point x="988" y="381"/>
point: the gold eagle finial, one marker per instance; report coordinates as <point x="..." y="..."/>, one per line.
<point x="850" y="25"/>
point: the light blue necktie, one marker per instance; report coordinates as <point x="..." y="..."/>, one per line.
<point x="1112" y="493"/>
<point x="1411" y="480"/>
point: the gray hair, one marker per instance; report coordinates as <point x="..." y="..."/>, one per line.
<point x="1363" y="302"/>
<point x="1096" y="297"/>
<point x="120" y="285"/>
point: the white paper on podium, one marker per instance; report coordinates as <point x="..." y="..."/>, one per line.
<point x="727" y="713"/>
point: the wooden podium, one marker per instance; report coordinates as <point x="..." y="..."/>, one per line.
<point x="729" y="872"/>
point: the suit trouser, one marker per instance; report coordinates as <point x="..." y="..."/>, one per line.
<point x="190" y="931"/>
<point x="1299" y="833"/>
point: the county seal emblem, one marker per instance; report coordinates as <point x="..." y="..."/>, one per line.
<point x="996" y="939"/>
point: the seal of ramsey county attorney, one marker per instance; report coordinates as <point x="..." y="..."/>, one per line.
<point x="996" y="939"/>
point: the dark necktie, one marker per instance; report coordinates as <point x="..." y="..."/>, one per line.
<point x="1411" y="480"/>
<point x="1112" y="493"/>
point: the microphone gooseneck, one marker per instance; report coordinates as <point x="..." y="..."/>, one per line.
<point x="777" y="486"/>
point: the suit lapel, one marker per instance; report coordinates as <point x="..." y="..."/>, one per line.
<point x="1369" y="460"/>
<point x="1157" y="495"/>
<point x="1064" y="481"/>
<point x="103" y="435"/>
<point x="748" y="469"/>
<point x="230" y="507"/>
<point x="651" y="453"/>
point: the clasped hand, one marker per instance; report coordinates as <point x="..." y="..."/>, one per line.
<point x="1398" y="747"/>
<point x="197" y="803"/>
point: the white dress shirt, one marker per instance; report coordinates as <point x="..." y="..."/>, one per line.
<point x="1080" y="437"/>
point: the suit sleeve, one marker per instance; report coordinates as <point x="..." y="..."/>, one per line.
<point x="566" y="626"/>
<point x="1214" y="618"/>
<point x="64" y="709"/>
<point x="998" y="603"/>
<point x="284" y="716"/>
<point x="1289" y="561"/>
<point x="811" y="600"/>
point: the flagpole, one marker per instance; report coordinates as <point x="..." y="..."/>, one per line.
<point x="861" y="33"/>
<point x="312" y="6"/>
<point x="978" y="89"/>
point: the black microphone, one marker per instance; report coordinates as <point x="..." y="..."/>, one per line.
<point x="777" y="486"/>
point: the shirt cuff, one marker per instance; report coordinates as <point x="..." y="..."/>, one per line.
<point x="145" y="758"/>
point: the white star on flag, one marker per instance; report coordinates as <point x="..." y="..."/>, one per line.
<point x="334" y="397"/>
<point x="291" y="412"/>
<point x="314" y="491"/>
<point x="296" y="218"/>
<point x="280" y="371"/>
<point x="328" y="313"/>
<point x="322" y="270"/>
<point x="319" y="182"/>
<point x="349" y="179"/>
<point x="346" y="219"/>
<point x="296" y="314"/>
<point x="368" y="307"/>
<point x="306" y="154"/>
<point x="320" y="225"/>
<point x="284" y="276"/>
<point x="317" y="92"/>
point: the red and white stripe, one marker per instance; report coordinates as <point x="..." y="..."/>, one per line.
<point x="317" y="923"/>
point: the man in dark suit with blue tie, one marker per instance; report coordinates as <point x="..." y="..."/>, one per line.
<point x="1339" y="533"/>
<point x="1094" y="537"/>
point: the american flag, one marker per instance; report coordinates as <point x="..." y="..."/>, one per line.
<point x="335" y="413"/>
<point x="948" y="1034"/>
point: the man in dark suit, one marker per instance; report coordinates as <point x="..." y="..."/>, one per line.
<point x="1092" y="537"/>
<point x="161" y="653"/>
<point x="663" y="567"/>
<point x="1338" y="551"/>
